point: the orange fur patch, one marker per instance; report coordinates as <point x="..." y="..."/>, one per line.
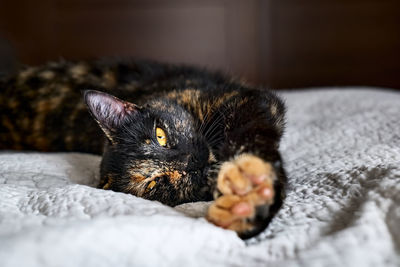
<point x="174" y="175"/>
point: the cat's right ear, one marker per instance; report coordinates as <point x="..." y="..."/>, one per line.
<point x="108" y="111"/>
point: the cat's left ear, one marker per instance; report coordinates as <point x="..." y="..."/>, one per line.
<point x="108" y="111"/>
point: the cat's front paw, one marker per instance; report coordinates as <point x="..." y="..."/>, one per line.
<point x="246" y="185"/>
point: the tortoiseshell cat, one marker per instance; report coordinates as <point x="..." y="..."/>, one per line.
<point x="175" y="134"/>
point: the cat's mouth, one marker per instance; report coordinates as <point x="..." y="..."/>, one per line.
<point x="175" y="184"/>
<point x="166" y="178"/>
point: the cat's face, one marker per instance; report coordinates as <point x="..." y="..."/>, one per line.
<point x="155" y="151"/>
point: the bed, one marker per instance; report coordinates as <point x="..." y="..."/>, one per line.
<point x="342" y="155"/>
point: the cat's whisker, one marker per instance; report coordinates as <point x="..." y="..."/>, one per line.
<point x="212" y="122"/>
<point x="214" y="126"/>
<point x="205" y="121"/>
<point x="216" y="141"/>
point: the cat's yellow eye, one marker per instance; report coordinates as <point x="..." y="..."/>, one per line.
<point x="161" y="137"/>
<point x="151" y="185"/>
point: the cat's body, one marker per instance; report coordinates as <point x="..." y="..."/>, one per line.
<point x="185" y="135"/>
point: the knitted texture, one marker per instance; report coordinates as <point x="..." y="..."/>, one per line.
<point x="342" y="156"/>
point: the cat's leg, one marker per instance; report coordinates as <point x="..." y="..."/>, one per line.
<point x="251" y="179"/>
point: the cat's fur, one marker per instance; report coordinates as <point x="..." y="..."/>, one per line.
<point x="209" y="120"/>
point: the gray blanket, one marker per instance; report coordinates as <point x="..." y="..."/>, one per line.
<point x="342" y="154"/>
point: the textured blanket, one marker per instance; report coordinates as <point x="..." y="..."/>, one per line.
<point x="342" y="154"/>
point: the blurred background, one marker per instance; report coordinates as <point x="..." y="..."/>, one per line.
<point x="279" y="44"/>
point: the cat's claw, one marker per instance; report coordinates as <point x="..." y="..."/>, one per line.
<point x="246" y="185"/>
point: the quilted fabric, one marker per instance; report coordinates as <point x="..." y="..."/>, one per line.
<point x="342" y="154"/>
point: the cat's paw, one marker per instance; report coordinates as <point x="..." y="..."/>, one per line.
<point x="246" y="185"/>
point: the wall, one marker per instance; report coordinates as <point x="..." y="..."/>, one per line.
<point x="281" y="44"/>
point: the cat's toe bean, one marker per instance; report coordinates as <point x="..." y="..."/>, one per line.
<point x="232" y="181"/>
<point x="229" y="208"/>
<point x="257" y="179"/>
<point x="243" y="209"/>
<point x="266" y="193"/>
<point x="220" y="216"/>
<point x="227" y="201"/>
<point x="253" y="166"/>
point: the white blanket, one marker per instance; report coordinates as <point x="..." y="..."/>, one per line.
<point x="342" y="154"/>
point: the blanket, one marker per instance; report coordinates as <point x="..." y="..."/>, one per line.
<point x="341" y="151"/>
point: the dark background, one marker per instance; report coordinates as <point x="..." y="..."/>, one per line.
<point x="280" y="44"/>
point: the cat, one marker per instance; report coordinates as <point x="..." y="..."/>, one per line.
<point x="172" y="133"/>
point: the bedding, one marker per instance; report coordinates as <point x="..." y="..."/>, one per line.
<point x="342" y="155"/>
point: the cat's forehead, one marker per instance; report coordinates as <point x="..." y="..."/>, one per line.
<point x="171" y="115"/>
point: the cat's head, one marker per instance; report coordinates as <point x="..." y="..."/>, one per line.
<point x="154" y="151"/>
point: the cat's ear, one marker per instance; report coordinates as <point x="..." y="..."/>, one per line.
<point x="108" y="111"/>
